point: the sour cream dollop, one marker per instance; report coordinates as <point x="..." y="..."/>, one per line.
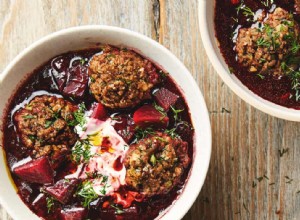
<point x="105" y="168"/>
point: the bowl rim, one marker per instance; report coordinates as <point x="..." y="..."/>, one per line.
<point x="239" y="89"/>
<point x="205" y="150"/>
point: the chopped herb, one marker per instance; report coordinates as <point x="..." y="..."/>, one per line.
<point x="48" y="123"/>
<point x="79" y="117"/>
<point x="283" y="151"/>
<point x="261" y="76"/>
<point x="295" y="47"/>
<point x="153" y="160"/>
<point x="259" y="178"/>
<point x="245" y="207"/>
<point x="50" y="203"/>
<point x="141" y="133"/>
<point x="87" y="192"/>
<point x="81" y="151"/>
<point x="82" y="61"/>
<point x="118" y="210"/>
<point x="289" y="180"/>
<point x="172" y="133"/>
<point x="160" y="109"/>
<point x="175" y="112"/>
<point x="27" y="116"/>
<point x="262" y="42"/>
<point x="94" y="175"/>
<point x="266" y="177"/>
<point x="267" y="3"/>
<point x="225" y="110"/>
<point x="32" y="137"/>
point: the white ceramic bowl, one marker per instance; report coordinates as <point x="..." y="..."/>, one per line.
<point x="87" y="36"/>
<point x="206" y="23"/>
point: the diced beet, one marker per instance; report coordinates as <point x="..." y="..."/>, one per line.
<point x="76" y="213"/>
<point x="147" y="115"/>
<point x="62" y="190"/>
<point x="36" y="171"/>
<point x="165" y="98"/>
<point x="124" y="126"/>
<point x="59" y="71"/>
<point x="152" y="72"/>
<point x="39" y="204"/>
<point x="99" y="111"/>
<point x="77" y="81"/>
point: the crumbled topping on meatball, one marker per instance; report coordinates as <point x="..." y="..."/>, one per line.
<point x="43" y="126"/>
<point x="156" y="163"/>
<point x="265" y="49"/>
<point x="121" y="78"/>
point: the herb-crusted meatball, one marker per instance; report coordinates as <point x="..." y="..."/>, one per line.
<point x="43" y="126"/>
<point x="120" y="78"/>
<point x="155" y="164"/>
<point x="269" y="49"/>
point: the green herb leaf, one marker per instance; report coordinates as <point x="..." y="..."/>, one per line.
<point x="118" y="210"/>
<point x="27" y="116"/>
<point x="81" y="151"/>
<point x="79" y="116"/>
<point x="153" y="160"/>
<point x="50" y="203"/>
<point x="48" y="123"/>
<point x="87" y="192"/>
<point x="142" y="133"/>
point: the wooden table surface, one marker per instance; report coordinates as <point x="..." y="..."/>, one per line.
<point x="255" y="163"/>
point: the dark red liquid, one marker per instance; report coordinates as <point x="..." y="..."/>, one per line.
<point x="41" y="80"/>
<point x="271" y="87"/>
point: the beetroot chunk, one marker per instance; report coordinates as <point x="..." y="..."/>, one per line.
<point x="39" y="204"/>
<point x="73" y="214"/>
<point x="147" y="115"/>
<point x="165" y="98"/>
<point x="99" y="111"/>
<point x="77" y="81"/>
<point x="124" y="126"/>
<point x="36" y="171"/>
<point x="62" y="190"/>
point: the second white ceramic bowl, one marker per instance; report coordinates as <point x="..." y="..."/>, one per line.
<point x="206" y="22"/>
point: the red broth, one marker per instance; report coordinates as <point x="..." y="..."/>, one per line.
<point x="41" y="81"/>
<point x="273" y="88"/>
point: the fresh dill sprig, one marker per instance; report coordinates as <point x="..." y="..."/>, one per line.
<point x="176" y="112"/>
<point x="81" y="151"/>
<point x="262" y="42"/>
<point x="142" y="133"/>
<point x="160" y="109"/>
<point x="267" y="3"/>
<point x="79" y="116"/>
<point x="87" y="192"/>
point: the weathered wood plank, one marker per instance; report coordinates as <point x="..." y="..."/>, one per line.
<point x="245" y="141"/>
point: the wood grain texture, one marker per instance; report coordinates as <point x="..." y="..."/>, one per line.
<point x="247" y="178"/>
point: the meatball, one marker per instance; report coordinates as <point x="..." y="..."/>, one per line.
<point x="265" y="49"/>
<point x="43" y="126"/>
<point x="155" y="164"/>
<point x="121" y="78"/>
